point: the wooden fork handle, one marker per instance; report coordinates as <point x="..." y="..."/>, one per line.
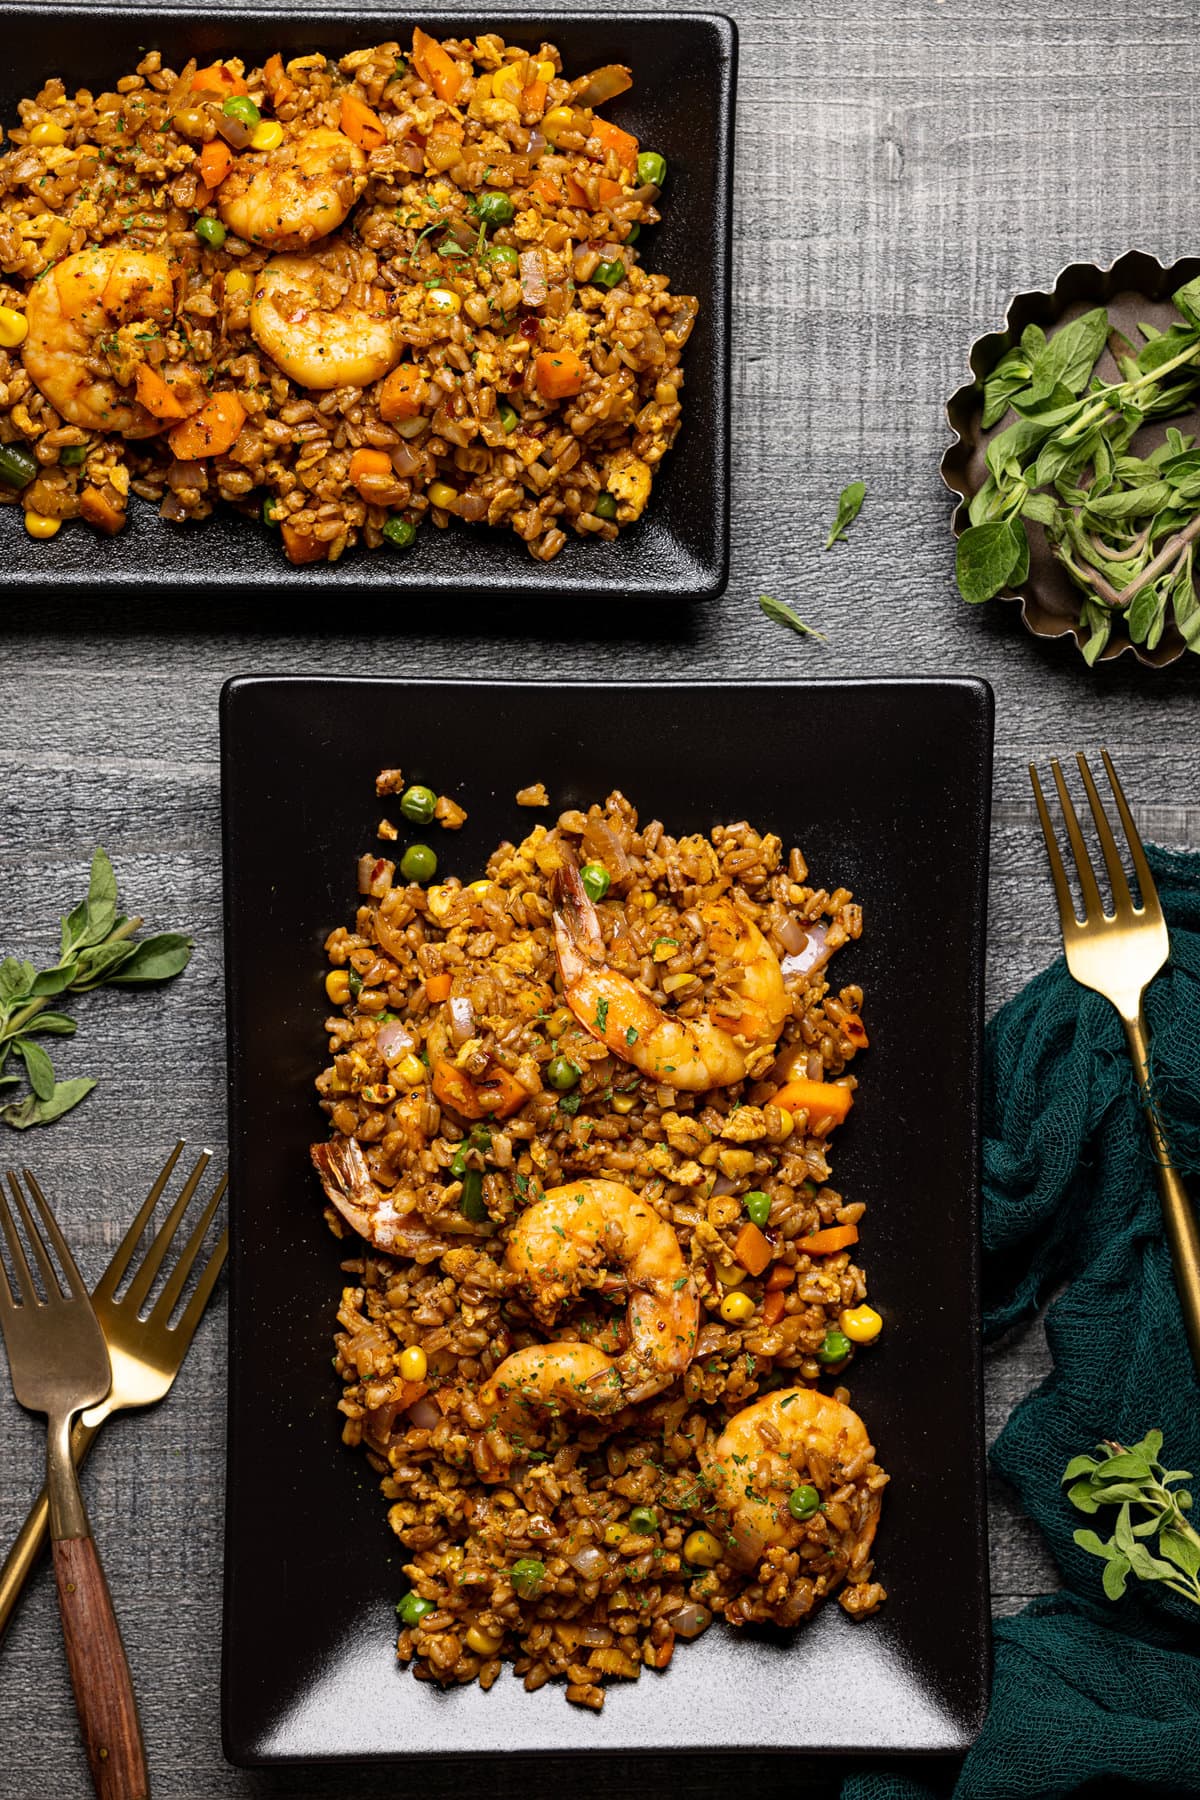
<point x="34" y="1533"/>
<point x="100" y="1675"/>
<point x="1179" y="1218"/>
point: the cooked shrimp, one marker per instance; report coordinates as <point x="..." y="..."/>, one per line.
<point x="582" y="1227"/>
<point x="375" y="1215"/>
<point x="694" y="1054"/>
<point x="88" y="318"/>
<point x="790" y="1436"/>
<point x="322" y="322"/>
<point x="289" y="197"/>
<point x="548" y="1378"/>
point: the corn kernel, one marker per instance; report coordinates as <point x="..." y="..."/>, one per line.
<point x="730" y="1274"/>
<point x="506" y="84"/>
<point x="49" y="131"/>
<point x="56" y="240"/>
<point x="479" y="887"/>
<point x="736" y="1163"/>
<point x="787" y="1123"/>
<point x="411" y="1071"/>
<point x="558" y="1021"/>
<point x="624" y="1103"/>
<point x="414" y="1364"/>
<point x="337" y="986"/>
<point x="442" y="494"/>
<point x="443" y="300"/>
<point x="87" y="152"/>
<point x="861" y="1324"/>
<point x="558" y="119"/>
<point x="14" y="327"/>
<point x="238" y="282"/>
<point x="546" y="71"/>
<point x="40" y="525"/>
<point x="665" y="394"/>
<point x="267" y="136"/>
<point x="614" y="1534"/>
<point x="736" y="1308"/>
<point x="483" y="1643"/>
<point x="649" y="901"/>
<point x="702" y="1549"/>
<point x="379" y="1093"/>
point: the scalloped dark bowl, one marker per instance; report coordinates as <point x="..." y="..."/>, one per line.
<point x="1137" y="286"/>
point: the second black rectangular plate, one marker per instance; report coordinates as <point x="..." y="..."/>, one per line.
<point x="681" y="104"/>
<point x="885" y="786"/>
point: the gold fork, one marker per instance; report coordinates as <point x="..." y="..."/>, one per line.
<point x="58" y="1363"/>
<point x="1118" y="954"/>
<point x="146" y="1354"/>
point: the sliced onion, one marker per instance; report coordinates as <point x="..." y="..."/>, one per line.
<point x="791" y="934"/>
<point x="601" y="844"/>
<point x="172" y="508"/>
<point x="236" y="132"/>
<point x="590" y="1562"/>
<point x="723" y="1185"/>
<point x="814" y="955"/>
<point x="394" y="1040"/>
<point x="404" y="460"/>
<point x="462" y="1020"/>
<point x="423" y="1414"/>
<point x="472" y="508"/>
<point x="408" y="428"/>
<point x="533" y="278"/>
<point x="412" y="156"/>
<point x="601" y="85"/>
<point x="596" y="1637"/>
<point x="537" y="143"/>
<point x="690" y="1620"/>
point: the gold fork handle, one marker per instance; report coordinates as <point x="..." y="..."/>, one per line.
<point x="104" y="1698"/>
<point x="1183" y="1233"/>
<point x="22" y="1559"/>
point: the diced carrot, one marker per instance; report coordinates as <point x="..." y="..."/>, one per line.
<point x="300" y="547"/>
<point x="821" y="1099"/>
<point x="533" y="100"/>
<point x="158" y="397"/>
<point x="362" y="126"/>
<point x="751" y="1248"/>
<point x="824" y="1243"/>
<point x="399" y="393"/>
<point x="280" y="86"/>
<point x="367" y="467"/>
<point x="214" y="163"/>
<point x="781" y="1276"/>
<point x="773" y="1305"/>
<point x="437" y="987"/>
<point x="607" y="191"/>
<point x="544" y="188"/>
<point x="98" y="510"/>
<point x="211" y="431"/>
<point x="500" y="1094"/>
<point x="436" y="67"/>
<point x="559" y="374"/>
<point x="411" y="1392"/>
<point x="218" y="78"/>
<point x="496" y="1096"/>
<point x="613" y="138"/>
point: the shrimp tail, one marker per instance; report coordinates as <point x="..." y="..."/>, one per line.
<point x="575" y="915"/>
<point x="374" y="1215"/>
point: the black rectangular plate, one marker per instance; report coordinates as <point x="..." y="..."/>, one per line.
<point x="885" y="786"/>
<point x="682" y="103"/>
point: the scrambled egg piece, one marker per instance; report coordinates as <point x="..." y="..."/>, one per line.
<point x="628" y="479"/>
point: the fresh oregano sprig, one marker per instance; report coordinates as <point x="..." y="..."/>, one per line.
<point x="96" y="949"/>
<point x="1134" y="1480"/>
<point x="1122" y="526"/>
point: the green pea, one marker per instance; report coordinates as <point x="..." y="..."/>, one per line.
<point x="17" y="466"/>
<point x="210" y="232"/>
<point x="758" y="1206"/>
<point x="418" y="804"/>
<point x="504" y="253"/>
<point x="643" y="1519"/>
<point x="835" y="1349"/>
<point x="470" y="1201"/>
<point x="510" y="418"/>
<point x="398" y="531"/>
<point x="240" y="106"/>
<point x="494" y="209"/>
<point x="651" y="168"/>
<point x="527" y="1576"/>
<point x="605" y="507"/>
<point x="561" y="1073"/>
<point x="413" y="1608"/>
<point x="418" y="863"/>
<point x="803" y="1502"/>
<point x="74" y="456"/>
<point x="607" y="274"/>
<point x="596" y="880"/>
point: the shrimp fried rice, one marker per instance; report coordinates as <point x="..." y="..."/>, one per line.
<point x="581" y="1114"/>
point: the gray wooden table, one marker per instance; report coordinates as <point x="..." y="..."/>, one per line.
<point x="903" y="166"/>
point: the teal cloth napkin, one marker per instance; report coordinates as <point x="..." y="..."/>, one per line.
<point x="1085" y="1690"/>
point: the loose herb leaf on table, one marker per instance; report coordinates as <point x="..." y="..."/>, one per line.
<point x="1123" y="526"/>
<point x="1133" y="1478"/>
<point x="96" y="949"/>
<point x="849" y="506"/>
<point x="781" y="614"/>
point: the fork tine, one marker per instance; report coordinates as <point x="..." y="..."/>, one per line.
<point x="1092" y="906"/>
<point x="1122" y="898"/>
<point x="143" y="1281"/>
<point x="1062" y="887"/>
<point x="49" y="1274"/>
<point x="70" y="1268"/>
<point x="26" y="1294"/>
<point x="204" y="1287"/>
<point x="1141" y="868"/>
<point x="164" y="1306"/>
<point x="106" y="1287"/>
